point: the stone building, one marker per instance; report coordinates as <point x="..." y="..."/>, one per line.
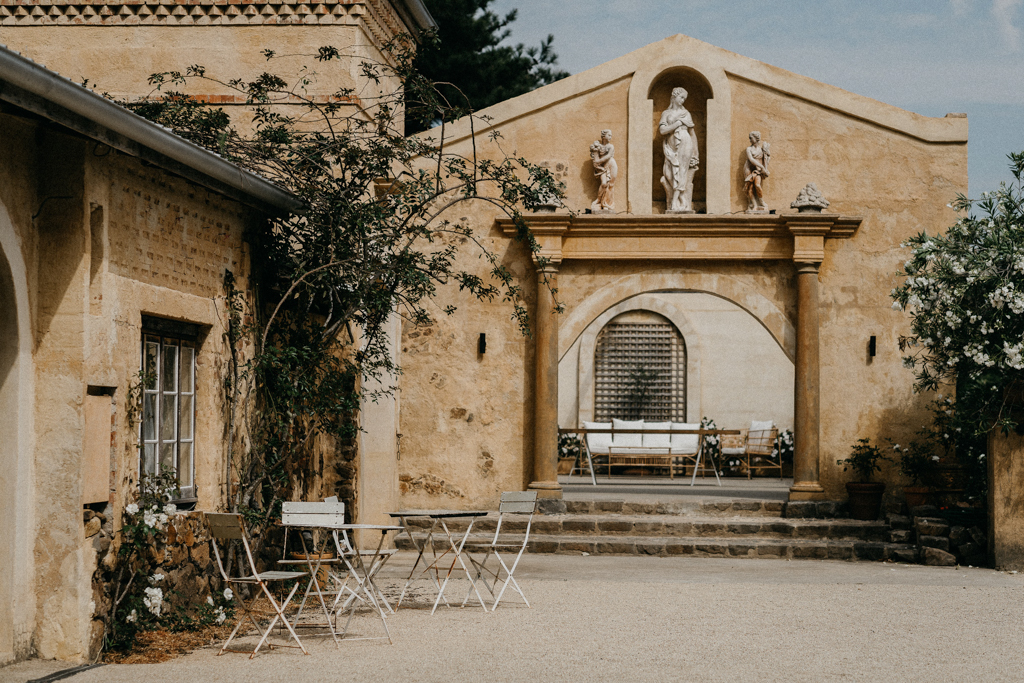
<point x="768" y="313"/>
<point x="115" y="238"/>
<point x="771" y="312"/>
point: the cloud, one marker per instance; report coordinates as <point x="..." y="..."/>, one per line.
<point x="1003" y="12"/>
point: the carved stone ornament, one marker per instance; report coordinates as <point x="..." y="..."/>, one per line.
<point x="602" y="156"/>
<point x="559" y="170"/>
<point x="810" y="200"/>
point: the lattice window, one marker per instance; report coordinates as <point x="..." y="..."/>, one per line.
<point x="640" y="373"/>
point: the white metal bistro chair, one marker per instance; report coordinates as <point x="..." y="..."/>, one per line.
<point x="512" y="503"/>
<point x="229" y="527"/>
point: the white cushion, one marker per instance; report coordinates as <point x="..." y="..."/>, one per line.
<point x="657" y="440"/>
<point x="685" y="443"/>
<point x="598" y="443"/>
<point x="627" y="440"/>
<point x="756" y="426"/>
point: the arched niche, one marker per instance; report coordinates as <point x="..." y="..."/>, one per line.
<point x="699" y="91"/>
<point x="646" y="303"/>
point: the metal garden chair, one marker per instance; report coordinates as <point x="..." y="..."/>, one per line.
<point x="512" y="503"/>
<point x="229" y="527"/>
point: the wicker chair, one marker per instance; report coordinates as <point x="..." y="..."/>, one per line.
<point x="760" y="448"/>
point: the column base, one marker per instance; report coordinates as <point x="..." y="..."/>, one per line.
<point x="806" y="491"/>
<point x="546" y="489"/>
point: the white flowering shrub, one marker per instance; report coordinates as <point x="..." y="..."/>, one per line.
<point x="964" y="292"/>
<point x="139" y="590"/>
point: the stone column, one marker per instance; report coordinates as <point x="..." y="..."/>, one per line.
<point x="806" y="427"/>
<point x="545" y="421"/>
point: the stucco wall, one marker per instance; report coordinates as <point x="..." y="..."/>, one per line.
<point x="896" y="169"/>
<point x="92" y="240"/>
<point x="900" y="185"/>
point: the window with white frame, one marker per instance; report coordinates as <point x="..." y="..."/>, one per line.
<point x="169" y="402"/>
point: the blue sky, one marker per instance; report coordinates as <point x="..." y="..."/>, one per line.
<point x="928" y="56"/>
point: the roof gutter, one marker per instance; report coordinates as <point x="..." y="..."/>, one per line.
<point x="416" y="14"/>
<point x="45" y="88"/>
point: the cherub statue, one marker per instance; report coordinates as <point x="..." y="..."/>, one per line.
<point x="602" y="155"/>
<point x="755" y="170"/>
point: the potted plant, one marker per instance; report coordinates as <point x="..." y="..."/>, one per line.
<point x="570" y="447"/>
<point x="865" y="495"/>
<point x="918" y="463"/>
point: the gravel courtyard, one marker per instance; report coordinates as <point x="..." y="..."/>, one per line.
<point x="615" y="618"/>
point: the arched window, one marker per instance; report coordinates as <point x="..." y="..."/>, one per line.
<point x="640" y="369"/>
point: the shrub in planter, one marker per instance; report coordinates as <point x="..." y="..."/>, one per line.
<point x="865" y="495"/>
<point x="917" y="462"/>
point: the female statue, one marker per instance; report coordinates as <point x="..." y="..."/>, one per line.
<point x="602" y="155"/>
<point x="754" y="171"/>
<point x="681" y="154"/>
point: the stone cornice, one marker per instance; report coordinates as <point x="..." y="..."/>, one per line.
<point x="739" y="237"/>
<point x="379" y="16"/>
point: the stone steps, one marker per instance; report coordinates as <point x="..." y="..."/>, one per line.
<point x="745" y="508"/>
<point x="731" y="546"/>
<point x="677" y="526"/>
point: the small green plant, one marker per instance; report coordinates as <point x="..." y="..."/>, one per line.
<point x="139" y="596"/>
<point x="864" y="459"/>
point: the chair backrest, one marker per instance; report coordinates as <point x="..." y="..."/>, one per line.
<point x="225" y="526"/>
<point x="761" y="441"/>
<point x="329" y="515"/>
<point x="518" y="502"/>
<point x="228" y="526"/>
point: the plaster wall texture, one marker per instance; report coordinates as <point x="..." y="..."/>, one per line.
<point x="901" y="185"/>
<point x="1006" y="500"/>
<point x="91" y="242"/>
<point x="896" y="169"/>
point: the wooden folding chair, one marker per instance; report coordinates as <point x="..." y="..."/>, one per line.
<point x="229" y="527"/>
<point x="512" y="503"/>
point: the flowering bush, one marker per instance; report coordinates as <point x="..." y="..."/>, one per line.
<point x="785" y="445"/>
<point x="964" y="291"/>
<point x="137" y="606"/>
<point x="712" y="442"/>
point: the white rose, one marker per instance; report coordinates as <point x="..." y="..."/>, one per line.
<point x="170" y="509"/>
<point x="132" y="509"/>
<point x="228" y="594"/>
<point x="209" y="600"/>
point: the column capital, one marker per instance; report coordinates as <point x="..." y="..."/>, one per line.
<point x="809" y="230"/>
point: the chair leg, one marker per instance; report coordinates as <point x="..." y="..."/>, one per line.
<point x="510" y="579"/>
<point x="280" y="615"/>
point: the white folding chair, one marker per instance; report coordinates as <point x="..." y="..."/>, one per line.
<point x="228" y="527"/>
<point x="313" y="517"/>
<point x="512" y="503"/>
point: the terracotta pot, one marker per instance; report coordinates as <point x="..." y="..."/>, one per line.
<point x="865" y="499"/>
<point x="917" y="496"/>
<point x="322" y="573"/>
<point x="565" y="465"/>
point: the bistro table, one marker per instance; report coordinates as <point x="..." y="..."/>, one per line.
<point x="363" y="574"/>
<point x="327" y="519"/>
<point x="433" y="569"/>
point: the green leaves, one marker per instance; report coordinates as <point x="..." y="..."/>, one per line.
<point x="964" y="292"/>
